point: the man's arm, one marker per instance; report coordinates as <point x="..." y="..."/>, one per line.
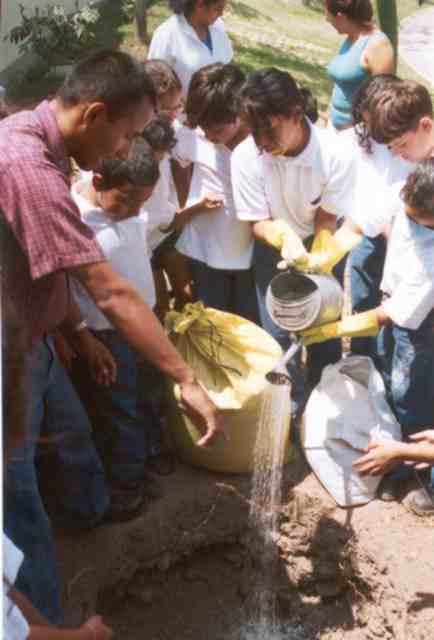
<point x="127" y="311"/>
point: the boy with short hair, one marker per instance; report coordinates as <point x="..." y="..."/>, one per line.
<point x="109" y="204"/>
<point x="219" y="246"/>
<point x="402" y="117"/>
<point x="406" y="315"/>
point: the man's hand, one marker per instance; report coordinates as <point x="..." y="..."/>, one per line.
<point x="95" y="629"/>
<point x="380" y="457"/>
<point x="99" y="359"/>
<point x="203" y="412"/>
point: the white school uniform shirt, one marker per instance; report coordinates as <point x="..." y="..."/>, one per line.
<point x="159" y="210"/>
<point x="408" y="276"/>
<point x="292" y="188"/>
<point x="217" y="238"/>
<point x="15" y="626"/>
<point x="177" y="43"/>
<point x="380" y="176"/>
<point x="124" y="245"/>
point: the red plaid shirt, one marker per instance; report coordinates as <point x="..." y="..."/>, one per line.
<point x="40" y="223"/>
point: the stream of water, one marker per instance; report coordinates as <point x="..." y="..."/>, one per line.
<point x="262" y="622"/>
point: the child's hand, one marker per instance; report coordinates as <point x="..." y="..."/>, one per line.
<point x="95" y="629"/>
<point x="100" y="361"/>
<point x="212" y="201"/>
<point x="380" y="457"/>
<point x="424" y="437"/>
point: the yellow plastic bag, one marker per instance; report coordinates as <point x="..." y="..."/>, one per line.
<point x="230" y="357"/>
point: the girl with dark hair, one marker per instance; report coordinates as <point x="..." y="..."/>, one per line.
<point x="192" y="38"/>
<point x="290" y="180"/>
<point x="365" y="52"/>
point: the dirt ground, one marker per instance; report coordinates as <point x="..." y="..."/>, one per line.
<point x="186" y="569"/>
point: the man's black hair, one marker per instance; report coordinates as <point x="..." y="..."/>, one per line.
<point x="186" y="7"/>
<point x="111" y="77"/>
<point x="160" y="134"/>
<point x="140" y="168"/>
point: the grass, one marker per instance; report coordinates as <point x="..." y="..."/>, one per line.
<point x="290" y="34"/>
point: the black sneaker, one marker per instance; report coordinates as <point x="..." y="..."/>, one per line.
<point x="389" y="489"/>
<point x="127" y="501"/>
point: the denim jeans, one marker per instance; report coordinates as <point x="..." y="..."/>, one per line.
<point x="407" y="366"/>
<point x="227" y="290"/>
<point x="366" y="272"/>
<point x="77" y="476"/>
<point x="125" y="415"/>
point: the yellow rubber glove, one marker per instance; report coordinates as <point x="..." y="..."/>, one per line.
<point x="279" y="234"/>
<point x="359" y="325"/>
<point x="328" y="249"/>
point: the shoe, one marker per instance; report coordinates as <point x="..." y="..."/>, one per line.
<point x="162" y="464"/>
<point x="421" y="502"/>
<point x="389" y="489"/>
<point x="127" y="501"/>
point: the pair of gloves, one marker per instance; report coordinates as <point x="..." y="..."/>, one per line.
<point x="327" y="250"/>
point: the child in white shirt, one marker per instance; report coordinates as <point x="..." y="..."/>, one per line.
<point x="219" y="246"/>
<point x="406" y="315"/>
<point x="126" y="421"/>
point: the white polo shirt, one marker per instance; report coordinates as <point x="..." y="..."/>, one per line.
<point x="408" y="276"/>
<point x="177" y="43"/>
<point x="292" y="188"/>
<point x="124" y="244"/>
<point x="380" y="176"/>
<point x="159" y="211"/>
<point x="216" y="238"/>
<point x="15" y="626"/>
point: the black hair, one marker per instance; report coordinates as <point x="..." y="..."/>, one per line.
<point x="214" y="95"/>
<point x="140" y="168"/>
<point x="160" y="134"/>
<point x="111" y="77"/>
<point x="270" y="92"/>
<point x="368" y="91"/>
<point x="359" y="11"/>
<point x="186" y="7"/>
<point x="310" y="104"/>
<point x="418" y="191"/>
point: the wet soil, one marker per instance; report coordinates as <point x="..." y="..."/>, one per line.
<point x="186" y="569"/>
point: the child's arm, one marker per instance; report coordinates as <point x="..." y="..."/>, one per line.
<point x="182" y="217"/>
<point x="382" y="455"/>
<point x="41" y="629"/>
<point x="100" y="360"/>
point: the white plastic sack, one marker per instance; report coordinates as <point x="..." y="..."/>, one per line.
<point x="346" y="410"/>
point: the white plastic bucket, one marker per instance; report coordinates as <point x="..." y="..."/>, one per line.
<point x="297" y="301"/>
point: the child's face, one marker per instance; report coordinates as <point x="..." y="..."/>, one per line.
<point x="222" y="133"/>
<point x="283" y="136"/>
<point x="170" y="103"/>
<point x="125" y="201"/>
<point x="415" y="145"/>
<point x="421" y="217"/>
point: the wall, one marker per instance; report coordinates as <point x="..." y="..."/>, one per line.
<point x="10" y="17"/>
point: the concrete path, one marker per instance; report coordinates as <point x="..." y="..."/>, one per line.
<point x="416" y="43"/>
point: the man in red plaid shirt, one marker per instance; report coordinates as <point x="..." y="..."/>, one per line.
<point x="105" y="102"/>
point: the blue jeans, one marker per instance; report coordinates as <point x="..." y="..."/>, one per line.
<point x="125" y="415"/>
<point x="407" y="366"/>
<point x="77" y="477"/>
<point x="225" y="289"/>
<point x="367" y="262"/>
